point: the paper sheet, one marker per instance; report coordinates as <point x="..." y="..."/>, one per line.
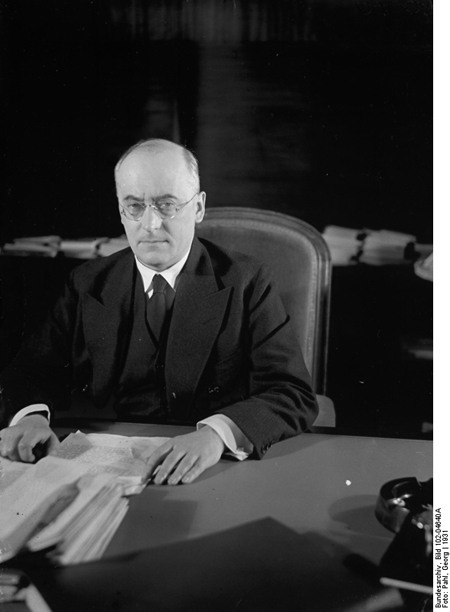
<point x="123" y="456"/>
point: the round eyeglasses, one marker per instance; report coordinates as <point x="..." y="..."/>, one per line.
<point x="165" y="208"/>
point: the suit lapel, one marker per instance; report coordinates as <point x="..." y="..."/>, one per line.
<point x="198" y="312"/>
<point x="106" y="316"/>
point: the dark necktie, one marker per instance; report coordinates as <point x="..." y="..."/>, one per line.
<point x="159" y="304"/>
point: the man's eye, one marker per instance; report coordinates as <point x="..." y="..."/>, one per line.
<point x="165" y="205"/>
<point x="134" y="208"/>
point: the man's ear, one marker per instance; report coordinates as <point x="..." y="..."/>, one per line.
<point x="200" y="204"/>
<point x="121" y="216"/>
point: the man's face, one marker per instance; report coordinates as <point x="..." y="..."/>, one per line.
<point x="147" y="176"/>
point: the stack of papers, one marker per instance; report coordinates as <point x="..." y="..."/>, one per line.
<point x="83" y="248"/>
<point x="47" y="246"/>
<point x="124" y="457"/>
<point x="83" y="531"/>
<point x="112" y="246"/>
<point x="73" y="500"/>
<point x="376" y="248"/>
<point x="384" y="247"/>
<point x="33" y="498"/>
<point x="344" y="243"/>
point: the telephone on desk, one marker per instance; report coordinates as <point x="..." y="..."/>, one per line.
<point x="404" y="506"/>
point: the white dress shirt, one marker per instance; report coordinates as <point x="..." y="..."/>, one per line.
<point x="237" y="443"/>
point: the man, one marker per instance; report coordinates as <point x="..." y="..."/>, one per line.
<point x="220" y="353"/>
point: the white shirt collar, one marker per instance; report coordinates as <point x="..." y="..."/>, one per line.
<point x="170" y="275"/>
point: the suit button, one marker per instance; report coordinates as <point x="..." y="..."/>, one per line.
<point x="213" y="390"/>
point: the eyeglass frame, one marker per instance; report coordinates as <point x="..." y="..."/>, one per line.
<point x="178" y="207"/>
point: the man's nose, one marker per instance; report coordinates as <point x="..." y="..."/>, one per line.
<point x="151" y="221"/>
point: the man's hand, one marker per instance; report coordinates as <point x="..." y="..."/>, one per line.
<point x="184" y="458"/>
<point x="17" y="442"/>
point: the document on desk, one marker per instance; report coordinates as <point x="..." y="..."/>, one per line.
<point x="10" y="471"/>
<point x="73" y="500"/>
<point x="123" y="456"/>
<point x="59" y="503"/>
<point x="40" y="492"/>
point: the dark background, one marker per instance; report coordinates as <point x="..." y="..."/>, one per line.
<point x="321" y="109"/>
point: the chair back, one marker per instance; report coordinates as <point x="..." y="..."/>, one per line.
<point x="300" y="262"/>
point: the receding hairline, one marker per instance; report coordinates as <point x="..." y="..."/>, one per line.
<point x="162" y="144"/>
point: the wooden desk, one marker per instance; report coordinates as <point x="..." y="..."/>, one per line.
<point x="295" y="518"/>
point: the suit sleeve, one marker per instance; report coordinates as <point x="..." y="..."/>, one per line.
<point x="281" y="402"/>
<point x="42" y="372"/>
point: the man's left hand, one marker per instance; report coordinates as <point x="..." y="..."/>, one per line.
<point x="184" y="458"/>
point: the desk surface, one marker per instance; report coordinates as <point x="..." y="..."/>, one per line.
<point x="322" y="483"/>
<point x="272" y="534"/>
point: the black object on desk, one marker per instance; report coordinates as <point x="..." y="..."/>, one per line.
<point x="404" y="506"/>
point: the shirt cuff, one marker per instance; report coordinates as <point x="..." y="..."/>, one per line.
<point x="239" y="446"/>
<point x="30" y="410"/>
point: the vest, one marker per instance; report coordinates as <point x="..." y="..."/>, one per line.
<point x="141" y="391"/>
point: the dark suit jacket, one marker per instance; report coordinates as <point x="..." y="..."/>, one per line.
<point x="230" y="347"/>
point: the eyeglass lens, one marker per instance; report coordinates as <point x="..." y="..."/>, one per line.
<point x="165" y="210"/>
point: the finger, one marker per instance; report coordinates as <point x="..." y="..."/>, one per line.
<point x="53" y="443"/>
<point x="157" y="457"/>
<point x="25" y="450"/>
<point x="42" y="449"/>
<point x="169" y="464"/>
<point x="9" y="445"/>
<point x="198" y="468"/>
<point x="29" y="440"/>
<point x="182" y="468"/>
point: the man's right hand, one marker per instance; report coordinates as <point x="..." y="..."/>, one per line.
<point x="17" y="442"/>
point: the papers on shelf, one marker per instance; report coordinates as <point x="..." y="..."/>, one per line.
<point x="73" y="500"/>
<point x="112" y="246"/>
<point x="344" y="244"/>
<point x="50" y="246"/>
<point x="37" y="245"/>
<point x="374" y="247"/>
<point x="385" y="247"/>
<point x="82" y="248"/>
